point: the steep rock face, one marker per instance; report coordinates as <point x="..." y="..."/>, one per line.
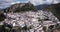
<point x="31" y="21"/>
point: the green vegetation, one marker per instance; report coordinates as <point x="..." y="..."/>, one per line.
<point x="39" y="19"/>
<point x="2" y="16"/>
<point x="1" y="28"/>
<point x="20" y="7"/>
<point x="55" y="9"/>
<point x="26" y="7"/>
<point x="7" y="29"/>
<point x="27" y="28"/>
<point x="45" y="29"/>
<point x="4" y="29"/>
<point x="57" y="26"/>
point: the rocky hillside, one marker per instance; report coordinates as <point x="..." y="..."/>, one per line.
<point x="55" y="9"/>
<point x="20" y="7"/>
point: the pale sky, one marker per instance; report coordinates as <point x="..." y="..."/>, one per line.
<point x="6" y="3"/>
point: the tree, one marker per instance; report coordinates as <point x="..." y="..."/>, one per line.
<point x="2" y="16"/>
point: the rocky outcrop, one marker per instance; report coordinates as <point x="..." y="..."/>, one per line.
<point x="18" y="7"/>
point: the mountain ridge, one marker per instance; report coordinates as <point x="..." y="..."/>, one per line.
<point x="19" y="7"/>
<point x="40" y="7"/>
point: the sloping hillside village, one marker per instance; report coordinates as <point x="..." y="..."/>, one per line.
<point x="29" y="20"/>
<point x="35" y="20"/>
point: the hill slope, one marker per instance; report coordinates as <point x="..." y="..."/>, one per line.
<point x="20" y="7"/>
<point x="55" y="9"/>
<point x="40" y="7"/>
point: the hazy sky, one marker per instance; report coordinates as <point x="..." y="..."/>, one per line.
<point x="38" y="2"/>
<point x="6" y="3"/>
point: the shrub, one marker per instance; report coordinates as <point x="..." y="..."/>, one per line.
<point x="2" y="16"/>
